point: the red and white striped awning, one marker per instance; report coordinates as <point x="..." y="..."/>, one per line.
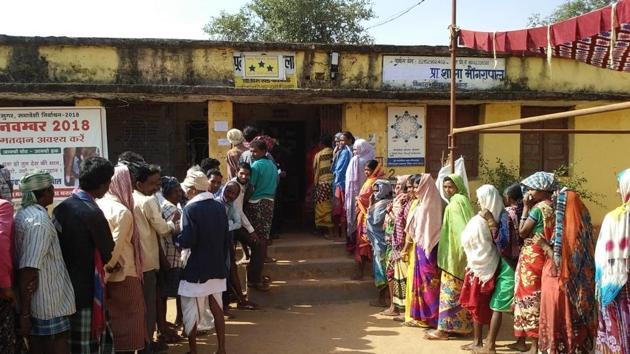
<point x="589" y="38"/>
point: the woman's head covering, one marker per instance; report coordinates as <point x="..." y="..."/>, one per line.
<point x="541" y="181"/>
<point x="122" y="189"/>
<point x="459" y="183"/>
<point x="612" y="253"/>
<point x="196" y="180"/>
<point x="235" y="136"/>
<point x="623" y="178"/>
<point x="168" y="184"/>
<point x="489" y="198"/>
<point x="402" y="179"/>
<point x="384" y="190"/>
<point x="121" y="186"/>
<point x="426" y="222"/>
<point x="35" y="181"/>
<point x="364" y="149"/>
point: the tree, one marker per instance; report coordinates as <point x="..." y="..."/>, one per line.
<point x="300" y="21"/>
<point x="567" y="10"/>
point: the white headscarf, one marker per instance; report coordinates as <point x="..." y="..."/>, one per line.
<point x="481" y="253"/>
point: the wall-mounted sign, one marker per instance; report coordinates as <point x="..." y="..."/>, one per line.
<point x="420" y="73"/>
<point x="406" y="128"/>
<point x="264" y="70"/>
<point x="55" y="139"/>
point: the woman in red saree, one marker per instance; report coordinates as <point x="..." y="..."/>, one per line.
<point x="363" y="252"/>
<point x="536" y="227"/>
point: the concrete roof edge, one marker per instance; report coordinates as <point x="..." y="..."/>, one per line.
<point x="296" y="94"/>
<point x="243" y="46"/>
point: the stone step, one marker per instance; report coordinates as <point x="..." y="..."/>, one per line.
<point x="284" y="294"/>
<point x="297" y="249"/>
<point x="317" y="268"/>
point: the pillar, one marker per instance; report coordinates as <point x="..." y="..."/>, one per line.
<point x="220" y="119"/>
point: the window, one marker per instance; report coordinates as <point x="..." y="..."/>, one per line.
<point x="543" y="152"/>
<point x="467" y="145"/>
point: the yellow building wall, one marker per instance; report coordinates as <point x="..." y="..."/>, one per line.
<point x="600" y="157"/>
<point x="219" y="111"/>
<point x="369" y="121"/>
<point x="500" y="146"/>
<point x="564" y="75"/>
<point x="80" y="64"/>
<point x="213" y="65"/>
<point x="5" y="55"/>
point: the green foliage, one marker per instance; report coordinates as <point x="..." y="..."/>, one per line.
<point x="578" y="184"/>
<point x="569" y="9"/>
<point x="297" y="21"/>
<point x="502" y="175"/>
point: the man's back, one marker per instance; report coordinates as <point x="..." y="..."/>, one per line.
<point x="205" y="232"/>
<point x="81" y="227"/>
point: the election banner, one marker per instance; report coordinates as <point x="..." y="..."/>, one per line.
<point x="55" y="139"/>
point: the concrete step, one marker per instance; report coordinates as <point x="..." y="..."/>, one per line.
<point x="310" y="248"/>
<point x="318" y="268"/>
<point x="284" y="294"/>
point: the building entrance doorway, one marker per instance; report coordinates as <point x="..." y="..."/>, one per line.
<point x="297" y="129"/>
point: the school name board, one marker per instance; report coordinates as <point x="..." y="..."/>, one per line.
<point x="419" y="72"/>
<point x="406" y="136"/>
<point x="55" y="139"/>
<point x="264" y="70"/>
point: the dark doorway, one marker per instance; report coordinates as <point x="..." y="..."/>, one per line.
<point x="197" y="138"/>
<point x="290" y="153"/>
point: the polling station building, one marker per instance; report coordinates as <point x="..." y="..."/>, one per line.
<point x="173" y="100"/>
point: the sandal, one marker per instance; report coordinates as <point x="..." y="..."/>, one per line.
<point x="399" y="318"/>
<point x="389" y="313"/>
<point x="469" y="347"/>
<point x="433" y="336"/>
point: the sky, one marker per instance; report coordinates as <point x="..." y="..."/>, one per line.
<point x="425" y="25"/>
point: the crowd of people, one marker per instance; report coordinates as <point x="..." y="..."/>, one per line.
<point x="443" y="265"/>
<point x="93" y="275"/>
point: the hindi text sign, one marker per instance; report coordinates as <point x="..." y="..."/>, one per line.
<point x="55" y="139"/>
<point x="417" y="73"/>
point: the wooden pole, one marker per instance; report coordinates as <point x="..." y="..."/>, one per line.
<point x="453" y="111"/>
<point x="546" y="117"/>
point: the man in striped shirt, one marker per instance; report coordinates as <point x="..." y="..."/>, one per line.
<point x="47" y="297"/>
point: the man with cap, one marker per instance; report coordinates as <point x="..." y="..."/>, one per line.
<point x="237" y="140"/>
<point x="205" y="238"/>
<point x="46" y="293"/>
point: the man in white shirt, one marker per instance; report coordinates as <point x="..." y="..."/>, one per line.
<point x="46" y="293"/>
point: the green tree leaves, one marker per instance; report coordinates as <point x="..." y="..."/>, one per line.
<point x="298" y="21"/>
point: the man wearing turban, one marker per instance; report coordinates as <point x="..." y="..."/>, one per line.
<point x="46" y="292"/>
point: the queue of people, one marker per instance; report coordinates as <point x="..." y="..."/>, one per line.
<point x="455" y="269"/>
<point x="95" y="274"/>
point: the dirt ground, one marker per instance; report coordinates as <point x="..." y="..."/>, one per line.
<point x="339" y="328"/>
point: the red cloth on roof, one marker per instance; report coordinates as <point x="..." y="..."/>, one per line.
<point x="585" y="38"/>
